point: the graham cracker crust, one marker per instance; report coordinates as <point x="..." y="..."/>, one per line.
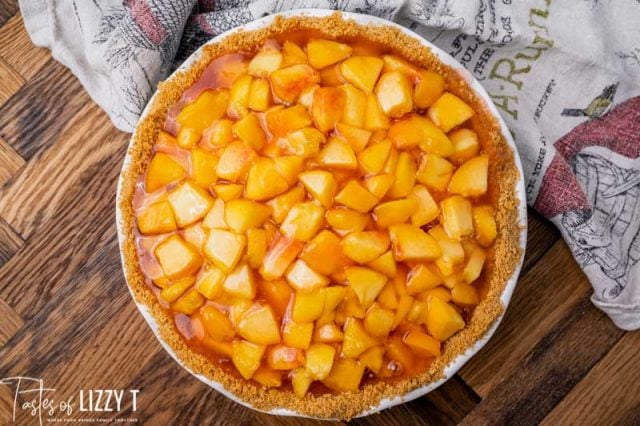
<point x="502" y="260"/>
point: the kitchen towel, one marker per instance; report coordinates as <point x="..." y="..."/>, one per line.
<point x="564" y="75"/>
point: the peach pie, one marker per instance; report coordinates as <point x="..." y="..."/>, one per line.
<point x="319" y="215"/>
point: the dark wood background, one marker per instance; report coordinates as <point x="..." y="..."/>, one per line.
<point x="67" y="317"/>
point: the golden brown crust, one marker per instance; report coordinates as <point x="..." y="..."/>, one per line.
<point x="501" y="263"/>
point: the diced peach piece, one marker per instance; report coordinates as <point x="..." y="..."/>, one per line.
<point x="249" y="131"/>
<point x="289" y="83"/>
<point x="355" y="196"/>
<point x="356" y="339"/>
<point x="484" y="224"/>
<point x="266" y="61"/>
<point x="395" y="94"/>
<point x="218" y="134"/>
<point x="216" y="324"/>
<point x="392" y="212"/>
<point x="405" y="176"/>
<point x="321" y="184"/>
<point x="303" y="221"/>
<point x="177" y="258"/>
<point x="428" y="89"/>
<point x="345" y="376"/>
<point x="239" y="97"/>
<point x="328" y="333"/>
<point x="373" y="158"/>
<point x="443" y="320"/>
<point x="474" y="265"/>
<point x="338" y="154"/>
<point x="355" y="106"/>
<point x="292" y="54"/>
<point x="268" y="377"/>
<point x="247" y="357"/>
<point x="366" y="283"/>
<point x="345" y="220"/>
<point x="243" y="214"/>
<point x="465" y="295"/>
<point x="362" y="71"/>
<point x="379" y="321"/>
<point x="190" y="203"/>
<point x="395" y="63"/>
<point x="411" y="243"/>
<point x="358" y="138"/>
<point x="224" y="248"/>
<point x="422" y="277"/>
<point x="471" y="177"/>
<point x="427" y="209"/>
<point x="422" y="344"/>
<point x="326" y="110"/>
<point x="175" y="290"/>
<point x="419" y="131"/>
<point x="283" y="357"/>
<point x="158" y="218"/>
<point x="366" y="246"/>
<point x="308" y="306"/>
<point x="319" y="361"/>
<point x="378" y="185"/>
<point x="303" y="277"/>
<point x="209" y="283"/>
<point x="189" y="303"/>
<point x="375" y="118"/>
<point x="259" y="326"/>
<point x="434" y="172"/>
<point x="322" y="53"/>
<point x="259" y="95"/>
<point x="449" y="111"/>
<point x="457" y="217"/>
<point x="209" y="106"/>
<point x="162" y="170"/>
<point x="301" y="380"/>
<point x="440" y="292"/>
<point x="279" y="257"/>
<point x="324" y="253"/>
<point x="465" y="145"/>
<point x="235" y="160"/>
<point x="281" y="122"/>
<point x="304" y="142"/>
<point x="264" y="181"/>
<point x="188" y="137"/>
<point x="283" y="203"/>
<point x="228" y="191"/>
<point x="297" y="335"/>
<point x="385" y="264"/>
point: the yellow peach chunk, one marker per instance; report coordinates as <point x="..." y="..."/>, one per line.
<point x="322" y="53"/>
<point x="279" y="256"/>
<point x="457" y="217"/>
<point x="395" y="94"/>
<point x="355" y="196"/>
<point x="235" y="160"/>
<point x="484" y="224"/>
<point x="158" y="218"/>
<point x="224" y="248"/>
<point x="428" y="89"/>
<point x="373" y="158"/>
<point x="422" y="344"/>
<point x="338" y="154"/>
<point x="289" y="83"/>
<point x="249" y="131"/>
<point x="422" y="277"/>
<point x="356" y="339"/>
<point x="379" y="321"/>
<point x="375" y="118"/>
<point x="449" y="111"/>
<point x="363" y="247"/>
<point x="189" y="303"/>
<point x="209" y="283"/>
<point x="427" y="209"/>
<point x="366" y="283"/>
<point x="259" y="326"/>
<point x="177" y="258"/>
<point x="357" y="137"/>
<point x="300" y="381"/>
<point x="434" y="172"/>
<point x="210" y="105"/>
<point x="162" y="170"/>
<point x="264" y="181"/>
<point x="410" y="243"/>
<point x="362" y="71"/>
<point x="303" y="221"/>
<point x="297" y="335"/>
<point x="281" y="122"/>
<point x="247" y="357"/>
<point x="443" y="320"/>
<point x="465" y="145"/>
<point x="267" y="60"/>
<point x="471" y="177"/>
<point x="308" y="306"/>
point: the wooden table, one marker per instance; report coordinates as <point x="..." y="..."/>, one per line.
<point x="66" y="315"/>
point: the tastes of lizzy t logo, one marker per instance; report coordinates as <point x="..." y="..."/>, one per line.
<point x="36" y="400"/>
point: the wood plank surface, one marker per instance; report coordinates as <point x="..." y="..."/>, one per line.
<point x="66" y="315"/>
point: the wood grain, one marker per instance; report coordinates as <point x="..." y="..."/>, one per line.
<point x="66" y="315"/>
